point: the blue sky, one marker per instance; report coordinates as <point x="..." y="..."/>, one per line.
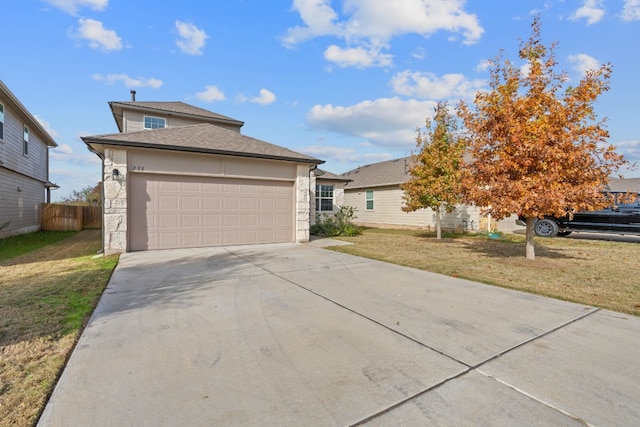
<point x="345" y="81"/>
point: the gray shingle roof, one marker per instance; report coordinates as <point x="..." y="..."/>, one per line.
<point x="390" y="172"/>
<point x="201" y="138"/>
<point x="328" y="176"/>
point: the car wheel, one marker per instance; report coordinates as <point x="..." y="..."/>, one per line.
<point x="545" y="228"/>
<point x="564" y="233"/>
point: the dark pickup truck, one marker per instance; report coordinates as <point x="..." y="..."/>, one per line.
<point x="619" y="218"/>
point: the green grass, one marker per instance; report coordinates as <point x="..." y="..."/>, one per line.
<point x="46" y="296"/>
<point x="11" y="247"/>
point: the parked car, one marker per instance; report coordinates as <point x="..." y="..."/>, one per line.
<point x="619" y="218"/>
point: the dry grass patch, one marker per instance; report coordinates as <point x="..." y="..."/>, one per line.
<point x="45" y="297"/>
<point x="598" y="273"/>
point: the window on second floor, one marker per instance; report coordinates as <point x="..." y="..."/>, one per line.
<point x="154" y="122"/>
<point x="369" y="200"/>
<point x="324" y="198"/>
<point x="1" y="121"/>
<point x="25" y="141"/>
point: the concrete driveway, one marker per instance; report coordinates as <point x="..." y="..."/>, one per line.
<point x="291" y="335"/>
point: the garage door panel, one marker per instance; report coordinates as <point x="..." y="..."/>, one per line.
<point x="184" y="211"/>
<point x="190" y="202"/>
<point x="168" y="202"/>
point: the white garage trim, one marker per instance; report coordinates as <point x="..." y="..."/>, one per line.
<point x="178" y="211"/>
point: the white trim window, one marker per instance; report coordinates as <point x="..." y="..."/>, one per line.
<point x="368" y="198"/>
<point x="1" y="121"/>
<point x="25" y="141"/>
<point x="154" y="122"/>
<point x="324" y="198"/>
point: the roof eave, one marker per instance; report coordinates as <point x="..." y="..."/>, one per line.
<point x="89" y="141"/>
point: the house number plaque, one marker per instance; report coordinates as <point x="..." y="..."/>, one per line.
<point x="137" y="168"/>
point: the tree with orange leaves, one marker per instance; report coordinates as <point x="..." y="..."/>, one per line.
<point x="436" y="167"/>
<point x="536" y="145"/>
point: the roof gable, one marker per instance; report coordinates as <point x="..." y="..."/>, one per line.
<point x="172" y="108"/>
<point x="200" y="138"/>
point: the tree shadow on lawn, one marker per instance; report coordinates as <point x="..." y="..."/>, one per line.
<point x="502" y="249"/>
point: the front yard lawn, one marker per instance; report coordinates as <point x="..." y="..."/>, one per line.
<point x="597" y="273"/>
<point x="49" y="285"/>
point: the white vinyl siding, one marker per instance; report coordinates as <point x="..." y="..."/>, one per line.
<point x="388" y="211"/>
<point x="35" y="165"/>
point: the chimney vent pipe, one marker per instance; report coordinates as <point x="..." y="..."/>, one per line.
<point x="133" y="96"/>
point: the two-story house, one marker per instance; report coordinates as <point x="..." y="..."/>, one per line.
<point x="24" y="166"/>
<point x="179" y="176"/>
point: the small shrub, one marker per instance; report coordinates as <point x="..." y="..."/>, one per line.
<point x="338" y="224"/>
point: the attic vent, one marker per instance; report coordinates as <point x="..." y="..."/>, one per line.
<point x="133" y="96"/>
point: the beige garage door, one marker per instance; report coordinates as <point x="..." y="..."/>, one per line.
<point x="167" y="211"/>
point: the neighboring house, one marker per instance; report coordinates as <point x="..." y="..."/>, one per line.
<point x="631" y="185"/>
<point x="24" y="167"/>
<point x="375" y="192"/>
<point x="178" y="176"/>
<point x="328" y="195"/>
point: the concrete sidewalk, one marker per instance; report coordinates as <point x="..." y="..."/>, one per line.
<point x="298" y="335"/>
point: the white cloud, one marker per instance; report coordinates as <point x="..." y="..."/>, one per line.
<point x="389" y="122"/>
<point x="266" y="97"/>
<point x="369" y="25"/>
<point x="46" y="126"/>
<point x="211" y="94"/>
<point x="631" y="10"/>
<point x="98" y="37"/>
<point x="483" y="65"/>
<point x="583" y="63"/>
<point x="591" y="10"/>
<point x="630" y="149"/>
<point x="62" y="151"/>
<point x="192" y="39"/>
<point x="71" y="6"/>
<point x="430" y="86"/>
<point x="345" y="155"/>
<point x="359" y="57"/>
<point x="128" y="81"/>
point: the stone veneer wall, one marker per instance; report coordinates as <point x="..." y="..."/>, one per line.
<point x="303" y="191"/>
<point x="115" y="202"/>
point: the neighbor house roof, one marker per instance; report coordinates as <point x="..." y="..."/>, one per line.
<point x="328" y="176"/>
<point x="20" y="109"/>
<point x="200" y="138"/>
<point x="175" y="108"/>
<point x="390" y="172"/>
<point x="627" y="184"/>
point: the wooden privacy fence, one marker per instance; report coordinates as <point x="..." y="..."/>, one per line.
<point x="56" y="217"/>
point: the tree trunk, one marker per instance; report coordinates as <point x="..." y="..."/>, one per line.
<point x="530" y="249"/>
<point x="438" y="227"/>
